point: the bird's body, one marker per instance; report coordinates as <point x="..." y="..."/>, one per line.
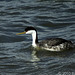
<point x="55" y="44"/>
<point x="51" y="44"/>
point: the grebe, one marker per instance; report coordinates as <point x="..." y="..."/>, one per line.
<point x="51" y="44"/>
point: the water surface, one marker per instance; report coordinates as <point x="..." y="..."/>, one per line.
<point x="51" y="19"/>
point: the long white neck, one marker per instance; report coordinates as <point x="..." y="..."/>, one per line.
<point x="34" y="39"/>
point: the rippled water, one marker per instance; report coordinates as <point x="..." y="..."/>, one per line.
<point x="51" y="19"/>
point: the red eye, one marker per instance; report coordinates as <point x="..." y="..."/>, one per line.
<point x="26" y="30"/>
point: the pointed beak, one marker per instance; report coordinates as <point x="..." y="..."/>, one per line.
<point x="21" y="33"/>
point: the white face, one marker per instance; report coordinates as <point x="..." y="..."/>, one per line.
<point x="30" y="32"/>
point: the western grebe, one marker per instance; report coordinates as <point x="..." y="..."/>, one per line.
<point x="51" y="44"/>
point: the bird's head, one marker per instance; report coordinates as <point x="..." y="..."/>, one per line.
<point x="28" y="30"/>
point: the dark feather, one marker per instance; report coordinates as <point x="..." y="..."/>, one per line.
<point x="54" y="41"/>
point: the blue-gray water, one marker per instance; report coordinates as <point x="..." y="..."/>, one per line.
<point x="51" y="19"/>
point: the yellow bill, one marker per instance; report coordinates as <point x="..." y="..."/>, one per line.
<point x="21" y="33"/>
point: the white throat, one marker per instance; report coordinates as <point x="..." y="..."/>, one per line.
<point x="34" y="39"/>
